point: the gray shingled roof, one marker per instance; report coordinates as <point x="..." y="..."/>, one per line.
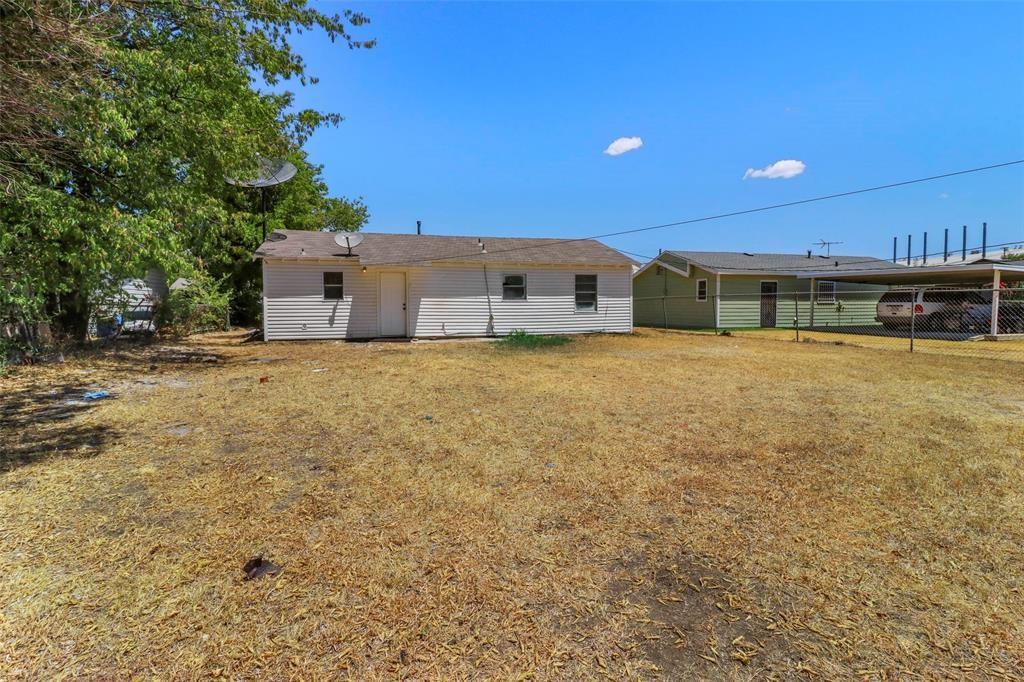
<point x="730" y="261"/>
<point x="413" y="249"/>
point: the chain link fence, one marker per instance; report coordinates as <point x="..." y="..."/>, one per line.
<point x="928" y="319"/>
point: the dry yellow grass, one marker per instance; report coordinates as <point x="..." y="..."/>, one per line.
<point x="1007" y="349"/>
<point x="628" y="507"/>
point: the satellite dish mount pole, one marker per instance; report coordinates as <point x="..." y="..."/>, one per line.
<point x="263" y="211"/>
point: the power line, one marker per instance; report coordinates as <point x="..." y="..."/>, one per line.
<point x="630" y="253"/>
<point x="719" y="216"/>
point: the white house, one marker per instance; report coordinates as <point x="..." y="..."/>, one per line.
<point x="410" y="285"/>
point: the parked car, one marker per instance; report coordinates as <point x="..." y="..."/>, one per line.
<point x="978" y="316"/>
<point x="933" y="308"/>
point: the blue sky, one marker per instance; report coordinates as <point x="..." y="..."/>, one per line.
<point x="492" y="119"/>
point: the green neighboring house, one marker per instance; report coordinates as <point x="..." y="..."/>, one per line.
<point x="723" y="290"/>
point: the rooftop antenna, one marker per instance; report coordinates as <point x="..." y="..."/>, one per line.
<point x="822" y="244"/>
<point x="348" y="240"/>
<point x="271" y="172"/>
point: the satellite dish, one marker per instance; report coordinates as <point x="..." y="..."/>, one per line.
<point x="271" y="172"/>
<point x="348" y="240"/>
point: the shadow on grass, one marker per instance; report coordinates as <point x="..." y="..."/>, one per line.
<point x="33" y="425"/>
<point x="38" y="420"/>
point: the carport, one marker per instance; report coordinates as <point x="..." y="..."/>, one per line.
<point x="974" y="275"/>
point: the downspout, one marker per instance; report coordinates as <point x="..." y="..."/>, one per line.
<point x="490" y="311"/>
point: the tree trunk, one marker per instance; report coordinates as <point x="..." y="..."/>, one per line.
<point x="72" y="322"/>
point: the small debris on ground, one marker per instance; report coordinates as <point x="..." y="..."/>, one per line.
<point x="96" y="395"/>
<point x="429" y="417"/>
<point x="258" y="567"/>
<point x="320" y="369"/>
<point x="264" y="380"/>
<point x="180" y="430"/>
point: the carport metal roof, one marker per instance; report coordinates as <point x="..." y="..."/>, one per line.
<point x="966" y="273"/>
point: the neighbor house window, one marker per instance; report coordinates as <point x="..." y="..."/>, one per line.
<point x="513" y="288"/>
<point x="586" y="292"/>
<point x="702" y="290"/>
<point x="826" y="292"/>
<point x="334" y="286"/>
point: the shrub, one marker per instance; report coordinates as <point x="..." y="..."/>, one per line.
<point x="521" y="339"/>
<point x="202" y="306"/>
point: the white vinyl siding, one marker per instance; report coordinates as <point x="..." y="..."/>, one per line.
<point x="443" y="300"/>
<point x="295" y="307"/>
<point x="452" y="301"/>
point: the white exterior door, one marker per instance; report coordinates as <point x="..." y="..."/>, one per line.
<point x="392" y="304"/>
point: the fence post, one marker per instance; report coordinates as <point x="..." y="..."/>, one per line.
<point x="796" y="314"/>
<point x="913" y="316"/>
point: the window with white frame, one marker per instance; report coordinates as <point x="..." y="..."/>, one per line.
<point x="826" y="292"/>
<point x="513" y="288"/>
<point x="702" y="290"/>
<point x="586" y="293"/>
<point x="334" y="286"/>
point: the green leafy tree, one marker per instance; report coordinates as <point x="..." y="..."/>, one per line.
<point x="120" y="121"/>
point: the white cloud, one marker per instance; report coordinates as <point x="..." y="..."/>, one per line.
<point x="943" y="195"/>
<point x="623" y="145"/>
<point x="785" y="169"/>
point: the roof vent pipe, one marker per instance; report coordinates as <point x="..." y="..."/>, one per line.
<point x="808" y="253"/>
<point x="419" y="223"/>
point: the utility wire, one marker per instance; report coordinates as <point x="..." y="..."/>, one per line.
<point x="630" y="253"/>
<point x="718" y="216"/>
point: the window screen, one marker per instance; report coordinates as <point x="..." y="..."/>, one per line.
<point x="826" y="292"/>
<point x="586" y="292"/>
<point x="334" y="286"/>
<point x="513" y="288"/>
<point x="702" y="290"/>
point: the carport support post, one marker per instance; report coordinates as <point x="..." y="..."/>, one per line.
<point x="913" y="317"/>
<point x="997" y="282"/>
